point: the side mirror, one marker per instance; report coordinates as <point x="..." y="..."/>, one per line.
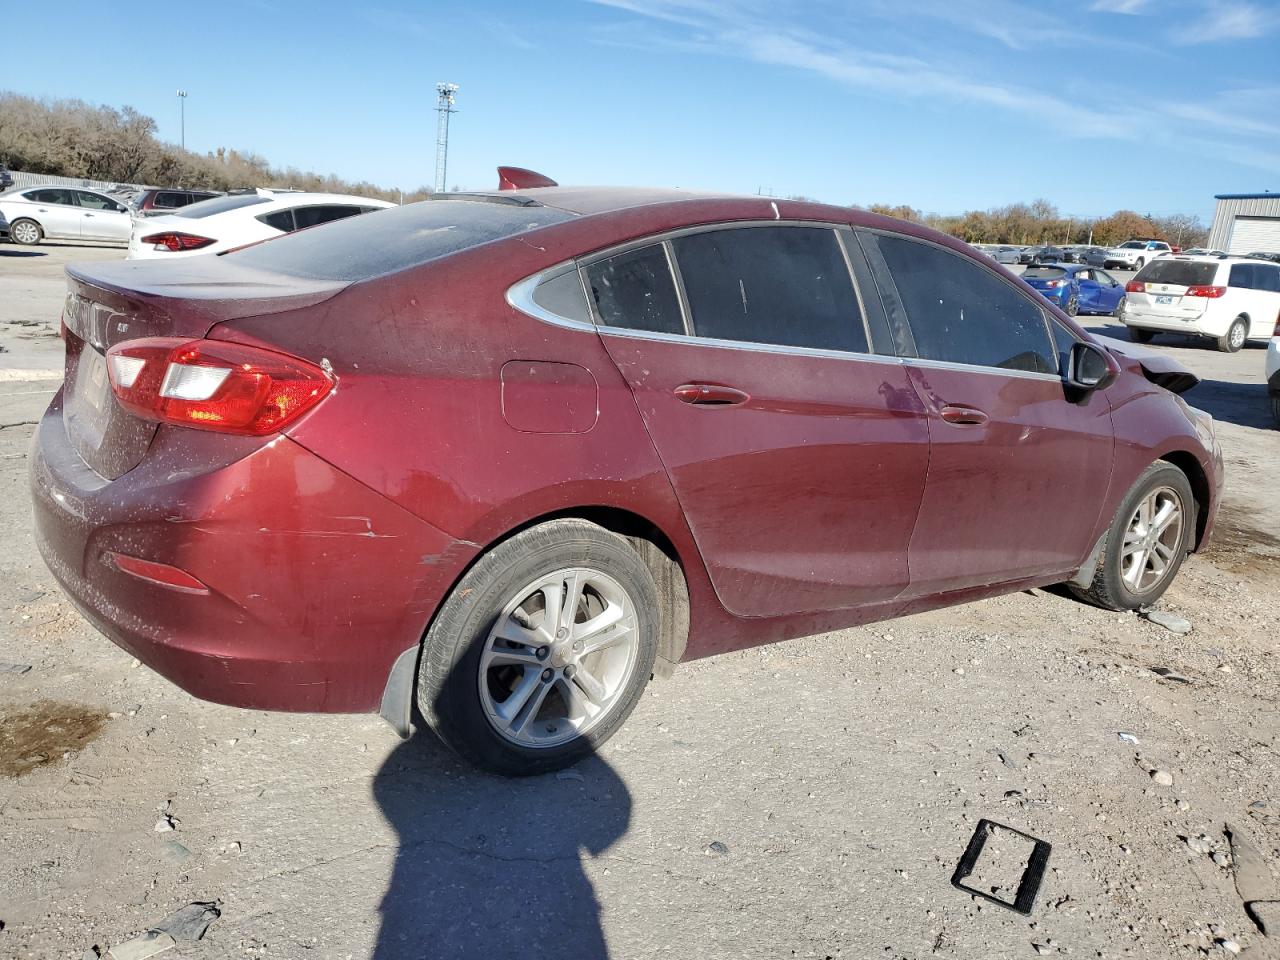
<point x="1090" y="368"/>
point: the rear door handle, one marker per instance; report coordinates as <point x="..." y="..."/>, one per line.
<point x="953" y="413"/>
<point x="710" y="395"/>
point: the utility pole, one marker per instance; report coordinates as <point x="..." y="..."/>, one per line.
<point x="182" y="101"/>
<point x="444" y="106"/>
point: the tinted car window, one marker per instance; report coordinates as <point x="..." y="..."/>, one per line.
<point x="1063" y="341"/>
<point x="169" y="199"/>
<point x="358" y="248"/>
<point x="94" y="201"/>
<point x="635" y="290"/>
<point x="280" y="219"/>
<point x="207" y="208"/>
<point x="783" y="285"/>
<point x="1043" y="273"/>
<point x="1241" y="276"/>
<point x="563" y="296"/>
<point x="51" y="196"/>
<point x="325" y="213"/>
<point x="1267" y="278"/>
<point x="960" y="312"/>
<point x="1181" y="273"/>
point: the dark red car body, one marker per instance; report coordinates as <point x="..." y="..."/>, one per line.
<point x="837" y="494"/>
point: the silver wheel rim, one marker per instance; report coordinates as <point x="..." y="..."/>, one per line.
<point x="1151" y="540"/>
<point x="559" y="657"/>
<point x="26" y="233"/>
<point x="1237" y="335"/>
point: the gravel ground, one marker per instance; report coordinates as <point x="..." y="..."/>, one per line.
<point x="807" y="799"/>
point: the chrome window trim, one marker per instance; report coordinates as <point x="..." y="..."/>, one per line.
<point x="520" y="296"/>
<point x="976" y="368"/>
<point x="746" y="345"/>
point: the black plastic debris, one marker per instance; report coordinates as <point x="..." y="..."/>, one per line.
<point x="190" y="922"/>
<point x="1029" y="883"/>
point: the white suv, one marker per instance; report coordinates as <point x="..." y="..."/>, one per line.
<point x="1136" y="254"/>
<point x="1227" y="299"/>
<point x="1273" y="372"/>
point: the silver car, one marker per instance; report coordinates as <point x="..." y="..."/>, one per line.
<point x="64" y="213"/>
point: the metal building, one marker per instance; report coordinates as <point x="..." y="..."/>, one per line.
<point x="1246" y="223"/>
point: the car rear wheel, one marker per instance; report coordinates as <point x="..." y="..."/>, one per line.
<point x="1233" y="339"/>
<point x="1139" y="265"/>
<point x="1073" y="307"/>
<point x="1275" y="409"/>
<point x="1146" y="542"/>
<point x="542" y="650"/>
<point x="25" y="232"/>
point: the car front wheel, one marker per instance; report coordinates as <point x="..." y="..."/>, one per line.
<point x="1146" y="543"/>
<point x="542" y="649"/>
<point x="25" y="232"/>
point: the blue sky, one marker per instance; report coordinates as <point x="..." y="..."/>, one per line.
<point x="944" y="105"/>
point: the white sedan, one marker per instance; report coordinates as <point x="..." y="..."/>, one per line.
<point x="236" y="219"/>
<point x="64" y="213"/>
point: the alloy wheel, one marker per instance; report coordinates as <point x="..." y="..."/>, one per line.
<point x="559" y="657"/>
<point x="24" y="231"/>
<point x="1152" y="539"/>
<point x="1237" y="336"/>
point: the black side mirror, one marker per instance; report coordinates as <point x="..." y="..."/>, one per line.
<point x="1090" y="368"/>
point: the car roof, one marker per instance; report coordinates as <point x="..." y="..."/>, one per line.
<point x="585" y="201"/>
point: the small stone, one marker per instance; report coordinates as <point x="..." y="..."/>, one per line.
<point x="958" y="671"/>
<point x="1221" y="859"/>
<point x="15" y="668"/>
<point x="140" y="948"/>
<point x="1127" y="737"/>
<point x="1169" y="674"/>
<point x="716" y="848"/>
<point x="91" y="954"/>
<point x="163" y="825"/>
<point x="1162" y="777"/>
<point x="1230" y="946"/>
<point x="1199" y="844"/>
<point x="1170" y="621"/>
<point x="1042" y="948"/>
<point x="1184" y="806"/>
<point x="1224" y="667"/>
<point x="175" y="851"/>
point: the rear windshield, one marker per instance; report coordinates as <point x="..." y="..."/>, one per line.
<point x="1043" y="273"/>
<point x="396" y="238"/>
<point x="207" y="208"/>
<point x="1180" y="273"/>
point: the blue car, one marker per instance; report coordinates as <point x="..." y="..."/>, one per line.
<point x="1077" y="287"/>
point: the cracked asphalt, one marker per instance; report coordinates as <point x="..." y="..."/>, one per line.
<point x="806" y="799"/>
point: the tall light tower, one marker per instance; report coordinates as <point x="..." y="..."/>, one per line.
<point x="182" y="101"/>
<point x="444" y="106"/>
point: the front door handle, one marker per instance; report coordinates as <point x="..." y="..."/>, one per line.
<point x="710" y="395"/>
<point x="959" y="415"/>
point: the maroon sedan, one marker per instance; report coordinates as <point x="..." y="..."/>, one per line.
<point x="506" y="456"/>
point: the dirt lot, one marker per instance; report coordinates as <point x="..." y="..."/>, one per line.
<point x="809" y="799"/>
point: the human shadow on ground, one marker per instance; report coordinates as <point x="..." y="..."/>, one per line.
<point x="490" y="867"/>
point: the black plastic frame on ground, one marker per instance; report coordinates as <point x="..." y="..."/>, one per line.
<point x="1032" y="876"/>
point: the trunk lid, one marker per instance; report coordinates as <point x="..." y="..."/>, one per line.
<point x="110" y="303"/>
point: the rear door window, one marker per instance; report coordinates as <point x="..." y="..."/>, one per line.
<point x="1266" y="278"/>
<point x="1242" y="276"/>
<point x="280" y="219"/>
<point x="95" y="202"/>
<point x="963" y="313"/>
<point x="788" y="286"/>
<point x="52" y="195"/>
<point x="324" y="213"/>
<point x="169" y="199"/>
<point x="636" y="291"/>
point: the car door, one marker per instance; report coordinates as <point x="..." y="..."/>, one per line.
<point x="1110" y="291"/>
<point x="102" y="218"/>
<point x="797" y="454"/>
<point x="1017" y="470"/>
<point x="1087" y="291"/>
<point x="1266" y="316"/>
<point x="57" y="212"/>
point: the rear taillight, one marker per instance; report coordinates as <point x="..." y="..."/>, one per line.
<point x="1211" y="292"/>
<point x="213" y="385"/>
<point x="1054" y="284"/>
<point x="176" y="242"/>
<point x="1135" y="286"/>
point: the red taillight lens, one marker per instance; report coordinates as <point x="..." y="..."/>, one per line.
<point x="1135" y="286"/>
<point x="1211" y="292"/>
<point x="214" y="385"/>
<point x="1054" y="284"/>
<point x="176" y="242"/>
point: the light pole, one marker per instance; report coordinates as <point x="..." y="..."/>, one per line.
<point x="182" y="101"/>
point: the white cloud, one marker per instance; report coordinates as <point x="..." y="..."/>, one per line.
<point x="1229" y="20"/>
<point x="1130" y="7"/>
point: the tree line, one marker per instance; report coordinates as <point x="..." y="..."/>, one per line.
<point x="1040" y="222"/>
<point x="71" y="138"/>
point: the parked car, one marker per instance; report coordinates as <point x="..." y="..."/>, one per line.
<point x="6" y="178"/>
<point x="1135" y="254"/>
<point x="1027" y="254"/>
<point x="64" y="213"/>
<point x="1204" y="252"/>
<point x="490" y="456"/>
<point x="1047" y="254"/>
<point x="155" y="202"/>
<point x="1077" y="288"/>
<point x="4" y="228"/>
<point x="211" y="226"/>
<point x="1093" y="256"/>
<point x="1273" y="372"/>
<point x="1273" y="257"/>
<point x="1227" y="300"/>
<point x="1006" y="254"/>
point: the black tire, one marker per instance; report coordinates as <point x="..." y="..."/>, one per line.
<point x="1108" y="588"/>
<point x="1138" y="335"/>
<point x="448" y="693"/>
<point x="25" y="232"/>
<point x="1139" y="265"/>
<point x="1275" y="409"/>
<point x="1234" y="338"/>
<point x="1119" y="310"/>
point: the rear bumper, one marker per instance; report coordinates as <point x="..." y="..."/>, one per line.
<point x="1201" y="326"/>
<point x="316" y="583"/>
